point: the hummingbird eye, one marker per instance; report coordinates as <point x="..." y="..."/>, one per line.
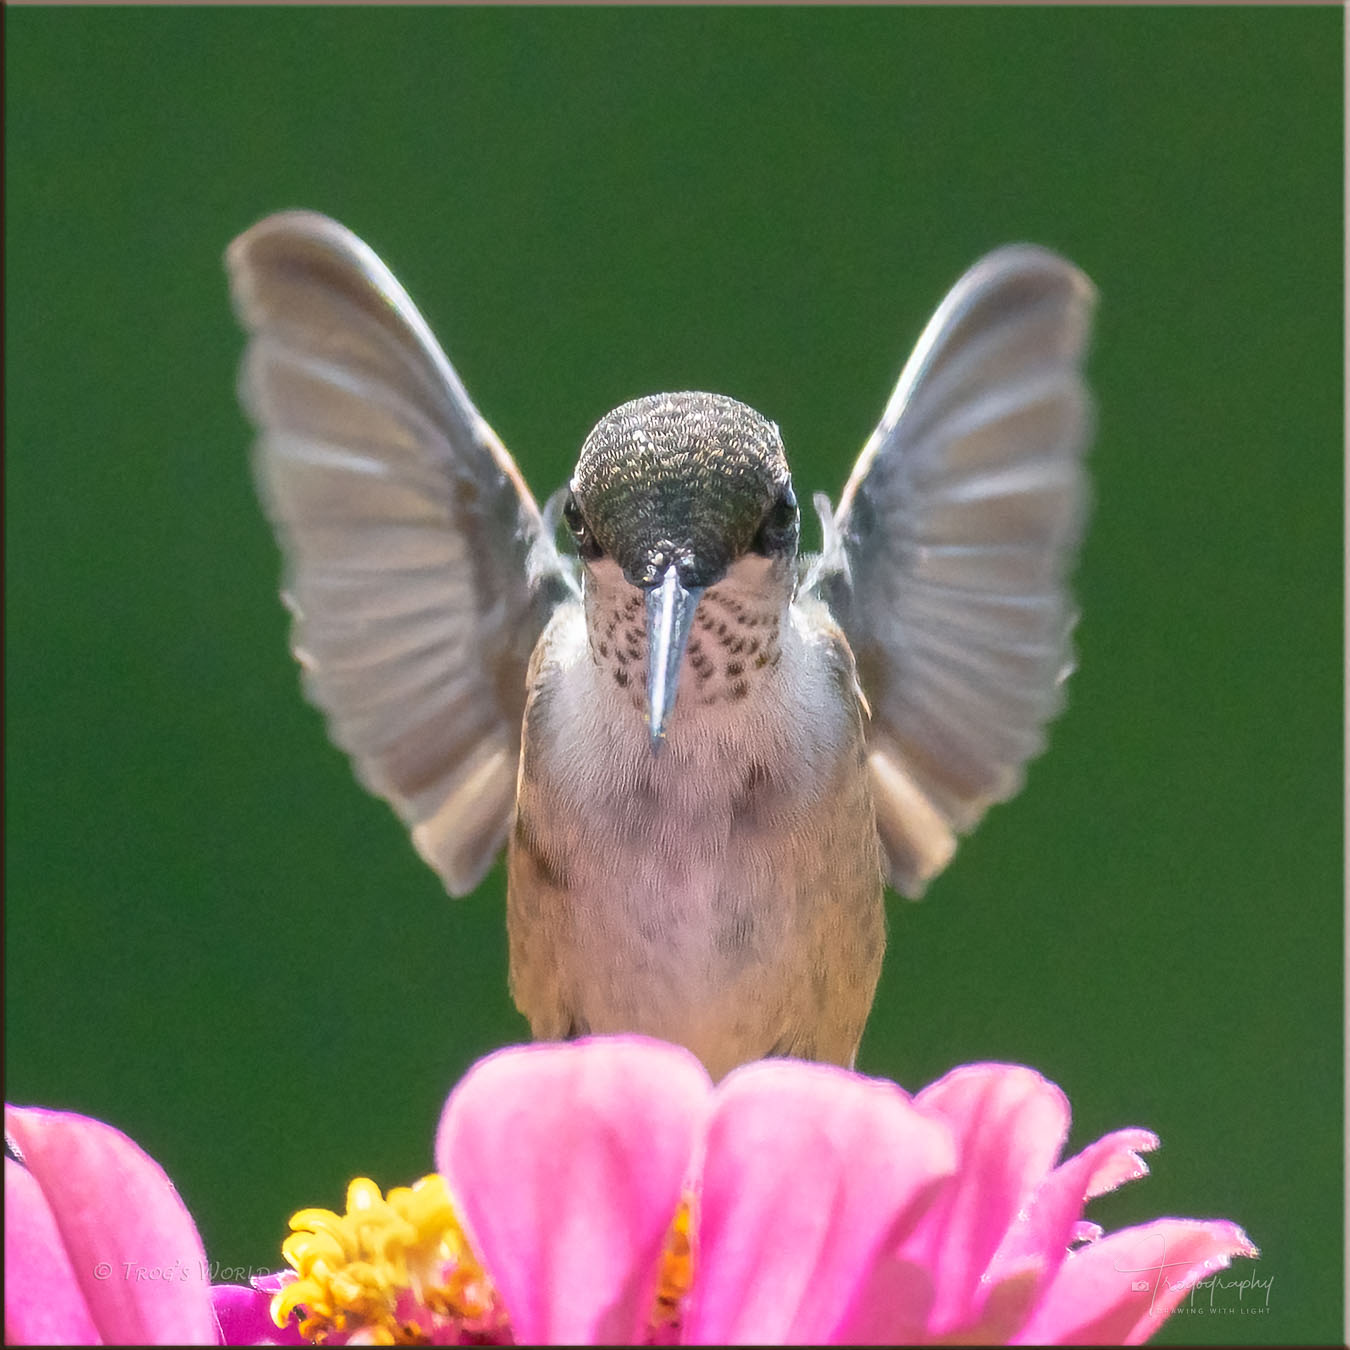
<point x="778" y="530"/>
<point x="581" y="532"/>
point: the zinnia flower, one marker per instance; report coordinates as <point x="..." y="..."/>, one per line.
<point x="604" y="1191"/>
<point x="99" y="1249"/>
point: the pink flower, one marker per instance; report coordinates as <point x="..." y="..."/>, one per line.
<point x="606" y="1191"/>
<point x="99" y="1249"/>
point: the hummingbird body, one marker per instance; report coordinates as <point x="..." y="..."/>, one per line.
<point x="725" y="893"/>
<point x="704" y="754"/>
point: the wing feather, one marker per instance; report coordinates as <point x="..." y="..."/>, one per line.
<point x="417" y="565"/>
<point x="947" y="560"/>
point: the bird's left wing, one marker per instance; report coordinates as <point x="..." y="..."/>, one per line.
<point x="946" y="564"/>
<point x="418" y="567"/>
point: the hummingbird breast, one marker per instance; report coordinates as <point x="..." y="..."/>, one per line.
<point x="724" y="893"/>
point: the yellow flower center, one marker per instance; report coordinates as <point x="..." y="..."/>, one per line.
<point x="398" y="1270"/>
<point x="677" y="1270"/>
<point x="389" y="1267"/>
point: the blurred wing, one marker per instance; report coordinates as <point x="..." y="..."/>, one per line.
<point x="418" y="568"/>
<point x="946" y="562"/>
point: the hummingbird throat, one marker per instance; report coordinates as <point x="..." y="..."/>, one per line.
<point x="670" y="642"/>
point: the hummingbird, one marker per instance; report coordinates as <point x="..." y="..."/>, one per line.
<point x="705" y="753"/>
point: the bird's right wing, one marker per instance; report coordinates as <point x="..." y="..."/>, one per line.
<point x="418" y="568"/>
<point x="946" y="562"/>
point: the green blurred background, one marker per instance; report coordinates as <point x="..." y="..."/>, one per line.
<point x="218" y="942"/>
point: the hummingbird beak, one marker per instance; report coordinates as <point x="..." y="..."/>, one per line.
<point x="670" y="615"/>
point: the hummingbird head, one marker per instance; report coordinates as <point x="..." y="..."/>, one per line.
<point x="673" y="490"/>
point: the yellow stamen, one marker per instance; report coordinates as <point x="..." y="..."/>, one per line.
<point x="398" y="1270"/>
<point x="677" y="1269"/>
<point x="353" y="1269"/>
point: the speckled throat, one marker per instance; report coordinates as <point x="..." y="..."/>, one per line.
<point x="734" y="642"/>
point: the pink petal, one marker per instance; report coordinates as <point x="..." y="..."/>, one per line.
<point x="44" y="1304"/>
<point x="810" y="1177"/>
<point x="245" y="1317"/>
<point x="1119" y="1290"/>
<point x="1040" y="1235"/>
<point x="1010" y="1124"/>
<point x="567" y="1163"/>
<point x="1122" y="1163"/>
<point x="127" y="1236"/>
<point x="892" y="1307"/>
